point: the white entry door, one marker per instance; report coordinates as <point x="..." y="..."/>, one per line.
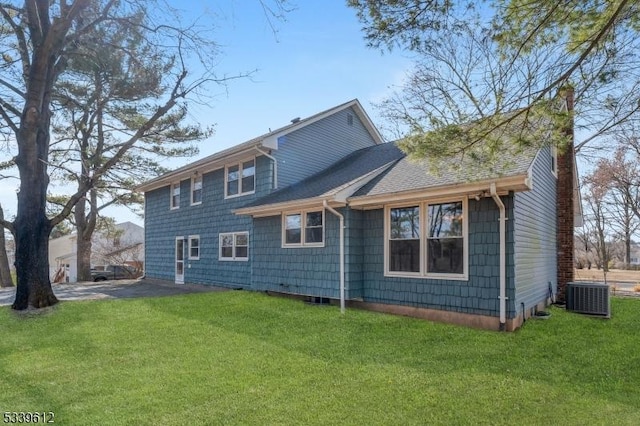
<point x="179" y="260"/>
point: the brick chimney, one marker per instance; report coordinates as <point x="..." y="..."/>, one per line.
<point x="564" y="202"/>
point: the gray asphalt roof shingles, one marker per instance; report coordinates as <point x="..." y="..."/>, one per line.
<point x="409" y="175"/>
<point x="337" y="176"/>
<point x="402" y="174"/>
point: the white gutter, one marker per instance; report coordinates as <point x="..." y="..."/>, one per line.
<point x="205" y="165"/>
<point x="341" y="217"/>
<point x="503" y="257"/>
<point x="275" y="166"/>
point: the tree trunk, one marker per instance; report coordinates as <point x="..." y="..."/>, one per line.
<point x="84" y="229"/>
<point x="5" y="270"/>
<point x="627" y="249"/>
<point x="32" y="227"/>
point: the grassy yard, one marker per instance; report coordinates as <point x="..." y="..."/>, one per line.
<point x="246" y="358"/>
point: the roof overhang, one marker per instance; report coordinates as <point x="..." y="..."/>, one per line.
<point x="279" y="208"/>
<point x="205" y="165"/>
<point x="471" y="189"/>
<point x="335" y="198"/>
<point x="266" y="141"/>
<point x="480" y="188"/>
<point x="271" y="140"/>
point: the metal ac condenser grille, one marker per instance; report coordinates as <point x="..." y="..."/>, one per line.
<point x="589" y="298"/>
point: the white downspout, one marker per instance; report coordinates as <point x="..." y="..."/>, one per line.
<point x="275" y="166"/>
<point x="341" y="217"/>
<point x="503" y="257"/>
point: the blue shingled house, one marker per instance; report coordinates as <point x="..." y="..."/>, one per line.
<point x="324" y="209"/>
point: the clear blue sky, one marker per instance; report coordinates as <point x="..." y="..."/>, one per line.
<point x="317" y="59"/>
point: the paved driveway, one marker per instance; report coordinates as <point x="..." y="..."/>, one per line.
<point x="147" y="287"/>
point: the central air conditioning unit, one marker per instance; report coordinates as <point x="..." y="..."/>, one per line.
<point x="589" y="298"/>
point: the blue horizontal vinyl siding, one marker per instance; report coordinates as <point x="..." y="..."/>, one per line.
<point x="535" y="233"/>
<point x="208" y="220"/>
<point x="315" y="147"/>
<point x="478" y="295"/>
<point x="311" y="271"/>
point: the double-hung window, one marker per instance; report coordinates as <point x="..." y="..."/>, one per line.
<point x="196" y="190"/>
<point x="445" y="239"/>
<point x="194" y="247"/>
<point x="404" y="239"/>
<point x="554" y="161"/>
<point x="175" y="195"/>
<point x="234" y="246"/>
<point x="427" y="239"/>
<point x="240" y="178"/>
<point x="304" y="228"/>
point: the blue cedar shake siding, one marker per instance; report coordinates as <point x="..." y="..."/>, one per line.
<point x="535" y="233"/>
<point x="354" y="253"/>
<point x="208" y="220"/>
<point x="478" y="295"/>
<point x="315" y="147"/>
<point x="311" y="271"/>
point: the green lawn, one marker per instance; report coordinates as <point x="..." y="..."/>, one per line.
<point x="246" y="358"/>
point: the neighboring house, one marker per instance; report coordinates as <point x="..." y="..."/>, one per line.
<point x="322" y="208"/>
<point x="123" y="245"/>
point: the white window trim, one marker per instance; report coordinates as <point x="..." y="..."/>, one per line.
<point x="239" y="164"/>
<point x="193" y="182"/>
<point x="191" y="238"/>
<point x="171" y="205"/>
<point x="423" y="274"/>
<point x="232" y="259"/>
<point x="554" y="161"/>
<point x="303" y="223"/>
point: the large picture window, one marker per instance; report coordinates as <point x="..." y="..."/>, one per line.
<point x="234" y="246"/>
<point x="303" y="229"/>
<point x="240" y="178"/>
<point x="427" y="239"/>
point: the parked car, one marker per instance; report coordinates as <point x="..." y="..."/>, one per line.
<point x="114" y="272"/>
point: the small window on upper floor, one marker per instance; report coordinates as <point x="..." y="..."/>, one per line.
<point x="196" y="190"/>
<point x="350" y="119"/>
<point x="175" y="195"/>
<point x="240" y="178"/>
<point x="554" y="160"/>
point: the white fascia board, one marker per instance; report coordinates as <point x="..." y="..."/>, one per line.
<point x="503" y="186"/>
<point x="271" y="140"/>
<point x="368" y="124"/>
<point x="206" y="165"/>
<point x="278" y="208"/>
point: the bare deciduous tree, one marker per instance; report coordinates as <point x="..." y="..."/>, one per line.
<point x="40" y="40"/>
